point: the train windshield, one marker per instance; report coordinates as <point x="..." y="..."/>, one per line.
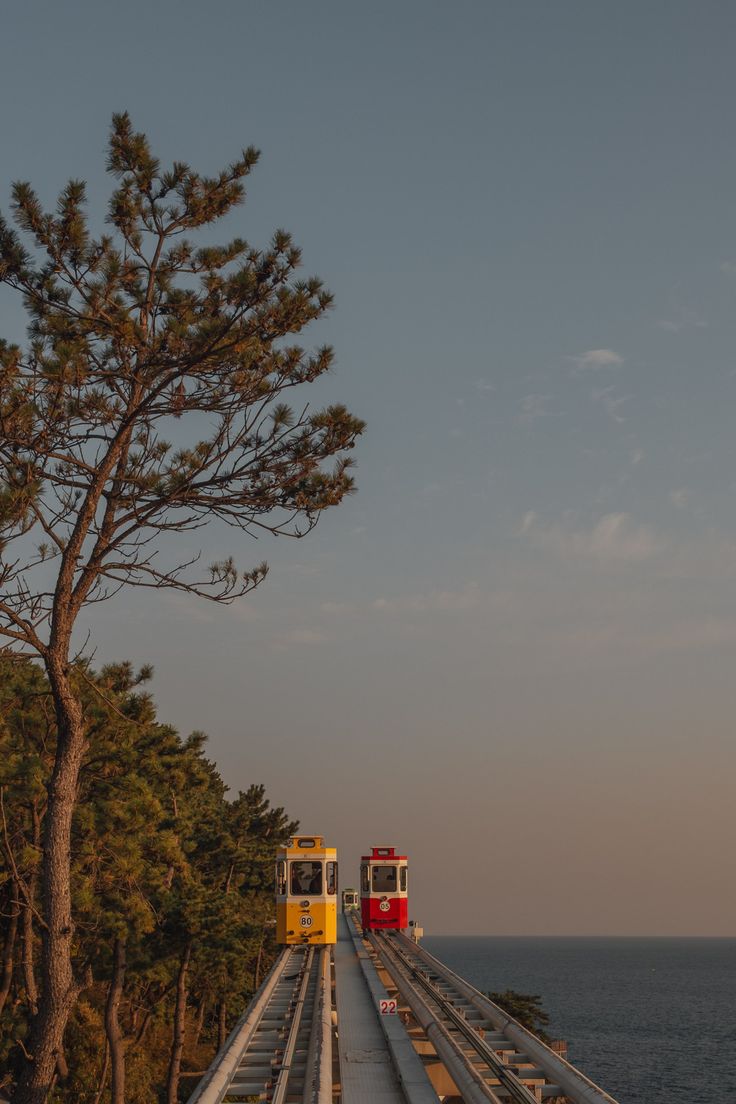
<point x="332" y="877"/>
<point x="384" y="879"/>
<point x="306" y="879"/>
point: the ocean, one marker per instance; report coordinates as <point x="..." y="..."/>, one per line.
<point x="652" y="1021"/>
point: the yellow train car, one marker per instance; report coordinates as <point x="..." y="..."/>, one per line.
<point x="306" y="892"/>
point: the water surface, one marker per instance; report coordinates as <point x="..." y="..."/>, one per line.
<point x="652" y="1021"/>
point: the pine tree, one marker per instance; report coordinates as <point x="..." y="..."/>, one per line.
<point x="134" y="335"/>
<point x="171" y="886"/>
<point x="526" y="1008"/>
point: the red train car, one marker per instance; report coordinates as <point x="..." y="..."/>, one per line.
<point x="383" y="890"/>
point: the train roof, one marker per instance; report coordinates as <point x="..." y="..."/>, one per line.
<point x="381" y="854"/>
<point x="300" y="845"/>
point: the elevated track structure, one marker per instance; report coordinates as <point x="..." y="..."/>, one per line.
<point x="488" y="1055"/>
<point x="281" y="1048"/>
<point x="376" y="1019"/>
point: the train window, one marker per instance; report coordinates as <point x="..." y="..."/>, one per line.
<point x="306" y="879"/>
<point x="307" y="843"/>
<point x="364" y="885"/>
<point x="332" y="877"/>
<point x="403" y="878"/>
<point x="384" y="879"/>
<point x="281" y="878"/>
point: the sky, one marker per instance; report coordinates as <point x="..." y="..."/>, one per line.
<point x="512" y="653"/>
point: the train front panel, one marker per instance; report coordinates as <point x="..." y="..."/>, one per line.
<point x="306" y="892"/>
<point x="384" y="902"/>
<point x="350" y="900"/>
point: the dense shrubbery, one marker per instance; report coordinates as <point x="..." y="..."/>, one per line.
<point x="172" y="886"/>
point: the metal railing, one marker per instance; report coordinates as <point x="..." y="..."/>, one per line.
<point x="290" y="1003"/>
<point x="572" y="1084"/>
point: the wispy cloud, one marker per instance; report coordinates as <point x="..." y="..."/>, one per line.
<point x="615" y="538"/>
<point x="635" y="457"/>
<point x="611" y="402"/>
<point x="537" y="406"/>
<point x="682" y="320"/>
<point x="630" y="637"/>
<point x="467" y="597"/>
<point x="594" y="359"/>
<point x="679" y="497"/>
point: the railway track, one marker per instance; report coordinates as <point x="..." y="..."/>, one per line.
<point x="281" y="1049"/>
<point x="489" y="1056"/>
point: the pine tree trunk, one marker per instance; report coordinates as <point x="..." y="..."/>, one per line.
<point x="29" y="973"/>
<point x="59" y="989"/>
<point x="259" y="962"/>
<point x="115" y="1039"/>
<point x="177" y="1046"/>
<point x="6" y="978"/>
<point x="199" y="1022"/>
<point x="141" y="1030"/>
<point x="62" y="1066"/>
<point x="229" y="879"/>
<point x="103" y="1074"/>
<point x="221" y="1025"/>
<point x="28" y="947"/>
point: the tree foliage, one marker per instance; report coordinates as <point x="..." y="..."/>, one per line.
<point x="150" y="399"/>
<point x="162" y="861"/>
<point x="526" y="1008"/>
<point x="130" y="332"/>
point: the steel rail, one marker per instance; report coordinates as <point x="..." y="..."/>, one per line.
<point x="508" y="1079"/>
<point x="213" y="1086"/>
<point x="324" y="1076"/>
<point x="291" y="1003"/>
<point x="310" y="1067"/>
<point x="317" y="1087"/>
<point x="282" y="1081"/>
<point x="573" y="1084"/>
<point x="462" y="1068"/>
